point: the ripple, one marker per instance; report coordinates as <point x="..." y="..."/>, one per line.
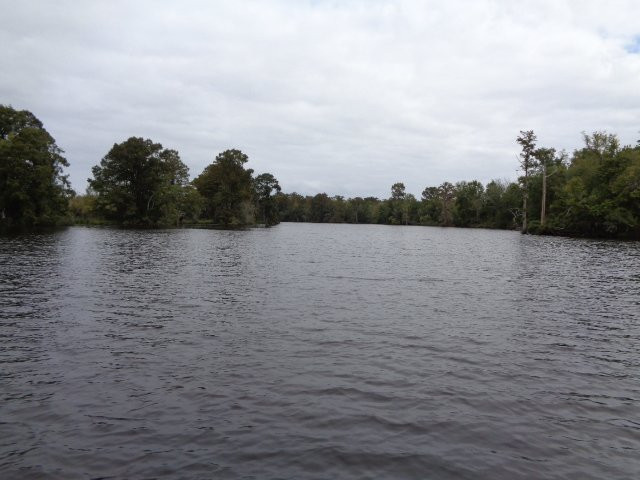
<point x="318" y="351"/>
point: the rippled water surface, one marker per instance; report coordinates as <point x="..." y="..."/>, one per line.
<point x="318" y="351"/>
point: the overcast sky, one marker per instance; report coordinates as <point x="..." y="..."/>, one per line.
<point x="345" y="97"/>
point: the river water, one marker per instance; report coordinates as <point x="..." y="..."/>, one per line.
<point x="320" y="352"/>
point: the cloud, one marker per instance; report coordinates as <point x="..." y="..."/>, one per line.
<point x="343" y="97"/>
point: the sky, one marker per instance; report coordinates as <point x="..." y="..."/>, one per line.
<point x="343" y="97"/>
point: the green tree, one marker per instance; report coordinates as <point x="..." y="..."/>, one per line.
<point x="321" y="208"/>
<point x="431" y="206"/>
<point x="227" y="188"/>
<point x="355" y="210"/>
<point x="83" y="208"/>
<point x="512" y="203"/>
<point x="33" y="189"/>
<point x="338" y="209"/>
<point x="411" y="209"/>
<point x="601" y="143"/>
<point x="138" y="182"/>
<point x="265" y="185"/>
<point x="398" y="204"/>
<point x="469" y="203"/>
<point x="398" y="191"/>
<point x="292" y="207"/>
<point x="186" y="205"/>
<point x="502" y="204"/>
<point x="447" y="194"/>
<point x="599" y="196"/>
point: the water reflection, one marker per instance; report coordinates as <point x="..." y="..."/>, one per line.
<point x="318" y="351"/>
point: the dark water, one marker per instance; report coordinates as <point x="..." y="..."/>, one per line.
<point x="318" y="351"/>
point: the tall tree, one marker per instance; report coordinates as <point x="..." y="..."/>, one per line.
<point x="398" y="191"/>
<point x="527" y="140"/>
<point x="265" y="185"/>
<point x="137" y="182"/>
<point x="33" y="188"/>
<point x="227" y="188"/>
<point x="399" y="205"/>
<point x="447" y="193"/>
<point x="544" y="157"/>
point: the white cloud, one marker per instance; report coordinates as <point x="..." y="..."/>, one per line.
<point x="343" y="97"/>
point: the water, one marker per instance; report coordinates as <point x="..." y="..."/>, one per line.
<point x="320" y="352"/>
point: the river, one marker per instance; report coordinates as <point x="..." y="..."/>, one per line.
<point x="309" y="351"/>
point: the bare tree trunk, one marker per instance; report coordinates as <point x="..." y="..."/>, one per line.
<point x="149" y="202"/>
<point x="527" y="141"/>
<point x="543" y="211"/>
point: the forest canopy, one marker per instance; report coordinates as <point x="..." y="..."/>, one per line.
<point x="140" y="183"/>
<point x="33" y="188"/>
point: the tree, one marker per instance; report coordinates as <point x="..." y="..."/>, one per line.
<point x="139" y="182"/>
<point x="321" y="208"/>
<point x="399" y="205"/>
<point x="264" y="185"/>
<point x="600" y="195"/>
<point x="431" y="207"/>
<point x="186" y="204"/>
<point x="355" y="207"/>
<point x="544" y="156"/>
<point x="411" y="209"/>
<point x="82" y="208"/>
<point x="512" y="202"/>
<point x="291" y="207"/>
<point x="602" y="143"/>
<point x="527" y="141"/>
<point x="469" y="203"/>
<point x="33" y="189"/>
<point x="447" y="194"/>
<point x="338" y="209"/>
<point x="502" y="204"/>
<point x="398" y="191"/>
<point x="227" y="188"/>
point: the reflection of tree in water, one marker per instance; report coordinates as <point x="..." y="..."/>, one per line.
<point x="230" y="268"/>
<point x="33" y="289"/>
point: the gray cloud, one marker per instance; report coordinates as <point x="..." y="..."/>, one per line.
<point x="343" y="97"/>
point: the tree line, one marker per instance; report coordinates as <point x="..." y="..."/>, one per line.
<point x="465" y="204"/>
<point x="137" y="183"/>
<point x="140" y="183"/>
<point x="595" y="191"/>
